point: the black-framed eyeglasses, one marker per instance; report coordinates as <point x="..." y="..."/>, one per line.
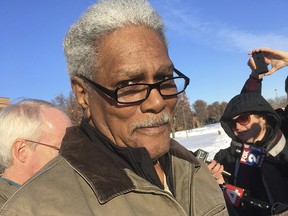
<point x="44" y="144"/>
<point x="136" y="93"/>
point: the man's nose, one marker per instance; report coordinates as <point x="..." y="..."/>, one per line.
<point x="155" y="103"/>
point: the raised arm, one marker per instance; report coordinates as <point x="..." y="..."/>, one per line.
<point x="276" y="58"/>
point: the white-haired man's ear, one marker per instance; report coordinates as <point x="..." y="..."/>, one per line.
<point x="20" y="150"/>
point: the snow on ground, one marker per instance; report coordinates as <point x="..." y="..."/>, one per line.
<point x="210" y="138"/>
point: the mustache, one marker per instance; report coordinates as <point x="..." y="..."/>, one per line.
<point x="152" y="122"/>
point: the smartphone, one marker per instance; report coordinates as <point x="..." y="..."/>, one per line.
<point x="261" y="66"/>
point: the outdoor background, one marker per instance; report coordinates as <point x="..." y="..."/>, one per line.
<point x="208" y="41"/>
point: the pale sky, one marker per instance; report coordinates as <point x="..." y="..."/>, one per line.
<point x="208" y="41"/>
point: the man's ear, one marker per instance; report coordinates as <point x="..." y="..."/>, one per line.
<point x="20" y="150"/>
<point x="81" y="92"/>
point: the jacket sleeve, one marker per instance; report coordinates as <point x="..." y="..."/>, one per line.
<point x="252" y="85"/>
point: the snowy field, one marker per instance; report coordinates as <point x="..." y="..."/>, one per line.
<point x="210" y="138"/>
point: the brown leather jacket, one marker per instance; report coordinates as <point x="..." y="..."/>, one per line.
<point x="95" y="185"/>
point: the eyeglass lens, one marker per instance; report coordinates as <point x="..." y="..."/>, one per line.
<point x="138" y="92"/>
<point x="243" y="119"/>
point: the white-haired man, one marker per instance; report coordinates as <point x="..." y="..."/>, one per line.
<point x="121" y="159"/>
<point x="31" y="132"/>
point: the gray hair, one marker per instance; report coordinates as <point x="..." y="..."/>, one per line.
<point x="82" y="41"/>
<point x="21" y="120"/>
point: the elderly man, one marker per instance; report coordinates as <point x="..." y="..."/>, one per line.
<point x="121" y="159"/>
<point x="31" y="132"/>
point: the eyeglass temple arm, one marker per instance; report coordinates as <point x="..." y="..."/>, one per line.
<point x="95" y="85"/>
<point x="51" y="146"/>
<point x="182" y="75"/>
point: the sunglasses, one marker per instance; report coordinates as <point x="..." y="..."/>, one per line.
<point x="242" y="119"/>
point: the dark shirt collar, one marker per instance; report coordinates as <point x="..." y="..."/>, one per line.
<point x="136" y="159"/>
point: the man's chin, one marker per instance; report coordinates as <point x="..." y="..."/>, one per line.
<point x="155" y="145"/>
<point x="156" y="153"/>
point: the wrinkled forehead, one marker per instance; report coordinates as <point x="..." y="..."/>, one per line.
<point x="135" y="49"/>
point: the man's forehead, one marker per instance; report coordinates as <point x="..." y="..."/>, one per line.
<point x="131" y="41"/>
<point x="144" y="70"/>
<point x="141" y="73"/>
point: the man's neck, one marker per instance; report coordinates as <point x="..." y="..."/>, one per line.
<point x="159" y="172"/>
<point x="14" y="176"/>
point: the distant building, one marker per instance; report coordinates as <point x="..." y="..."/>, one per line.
<point x="4" y="102"/>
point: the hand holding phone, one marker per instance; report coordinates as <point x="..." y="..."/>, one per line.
<point x="261" y="66"/>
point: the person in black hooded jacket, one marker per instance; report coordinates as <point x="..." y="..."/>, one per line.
<point x="278" y="59"/>
<point x="249" y="119"/>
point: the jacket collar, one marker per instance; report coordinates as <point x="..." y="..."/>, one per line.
<point x="136" y="159"/>
<point x="105" y="179"/>
<point x="103" y="168"/>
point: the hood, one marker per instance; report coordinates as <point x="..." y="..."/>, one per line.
<point x="253" y="103"/>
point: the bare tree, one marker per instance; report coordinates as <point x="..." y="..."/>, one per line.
<point x="214" y="111"/>
<point x="70" y="106"/>
<point x="200" y="110"/>
<point x="183" y="116"/>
